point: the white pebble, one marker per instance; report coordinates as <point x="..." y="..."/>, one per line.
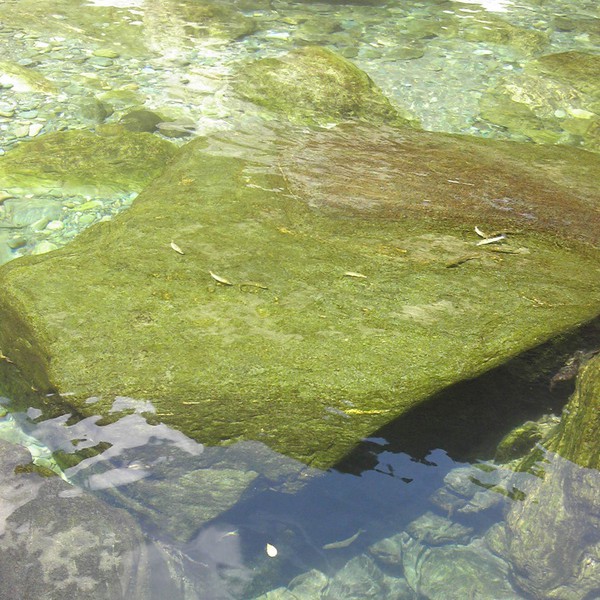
<point x="44" y="246"/>
<point x="55" y="225"/>
<point x="34" y="129"/>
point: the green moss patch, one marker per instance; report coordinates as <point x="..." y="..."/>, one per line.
<point x="79" y="161"/>
<point x="305" y="327"/>
<point x="316" y="86"/>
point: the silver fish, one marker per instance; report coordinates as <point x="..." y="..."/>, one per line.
<point x="343" y="543"/>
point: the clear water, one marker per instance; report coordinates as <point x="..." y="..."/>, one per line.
<point x="241" y="521"/>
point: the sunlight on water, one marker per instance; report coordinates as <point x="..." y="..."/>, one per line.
<point x="493" y="5"/>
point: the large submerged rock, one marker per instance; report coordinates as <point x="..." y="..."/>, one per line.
<point x="309" y="309"/>
<point x="551" y="537"/>
<point x="556" y="99"/>
<point x="82" y="161"/>
<point x="58" y="541"/>
<point x="316" y="86"/>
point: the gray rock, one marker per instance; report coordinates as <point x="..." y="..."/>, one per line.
<point x="180" y="506"/>
<point x="435" y="530"/>
<point x="389" y="550"/>
<point x="460" y="572"/>
<point x="550" y="538"/>
<point x="141" y="120"/>
<point x="359" y="579"/>
<point x="61" y="542"/>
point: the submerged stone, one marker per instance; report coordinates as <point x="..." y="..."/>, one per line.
<point x="578" y="435"/>
<point x="316" y="86"/>
<point x="555" y="100"/>
<point x="458" y="572"/>
<point x="580" y="70"/>
<point x="24" y="79"/>
<point x="141" y="120"/>
<point x="181" y="505"/>
<point x="212" y="20"/>
<point x="435" y="530"/>
<point x="550" y="536"/>
<point x="59" y="541"/>
<point x="76" y="161"/>
<point x="360" y="578"/>
<point x="89" y="21"/>
<point x="309" y="317"/>
<point x="485" y="27"/>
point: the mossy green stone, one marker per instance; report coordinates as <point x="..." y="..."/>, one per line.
<point x="76" y="160"/>
<point x="298" y="352"/>
<point x="25" y="79"/>
<point x="89" y="21"/>
<point x="549" y="536"/>
<point x="494" y="30"/>
<point x="578" y="438"/>
<point x="314" y="85"/>
<point x="205" y="19"/>
<point x="581" y="70"/>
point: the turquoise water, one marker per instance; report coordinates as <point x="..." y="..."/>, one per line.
<point x="415" y="510"/>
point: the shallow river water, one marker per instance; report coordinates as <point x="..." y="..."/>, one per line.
<point x="414" y="511"/>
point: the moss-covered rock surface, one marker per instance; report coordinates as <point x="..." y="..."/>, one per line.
<point x="556" y="99"/>
<point x="549" y="537"/>
<point x="117" y="160"/>
<point x="316" y="86"/>
<point x="578" y="437"/>
<point x="244" y="307"/>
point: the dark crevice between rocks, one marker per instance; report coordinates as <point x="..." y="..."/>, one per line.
<point x="469" y="420"/>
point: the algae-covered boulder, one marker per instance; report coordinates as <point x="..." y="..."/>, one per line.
<point x="506" y="185"/>
<point x="578" y="437"/>
<point x="244" y="311"/>
<point x="491" y="29"/>
<point x="24" y="79"/>
<point x="580" y="70"/>
<point x="556" y="99"/>
<point x="206" y="19"/>
<point x="316" y="86"/>
<point x="80" y="161"/>
<point x="550" y="537"/>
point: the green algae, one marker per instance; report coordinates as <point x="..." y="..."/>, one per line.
<point x="314" y="85"/>
<point x="555" y="100"/>
<point x="213" y="20"/>
<point x="580" y="70"/>
<point x="117" y="160"/>
<point x="94" y="26"/>
<point x="491" y="29"/>
<point x="579" y="431"/>
<point x="24" y="79"/>
<point x="295" y="353"/>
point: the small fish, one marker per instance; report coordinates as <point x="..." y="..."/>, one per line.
<point x="177" y="248"/>
<point x="343" y="543"/>
<point x="480" y="233"/>
<point x="271" y="550"/>
<point x="492" y="240"/>
<point x="355" y="274"/>
<point x="220" y="279"/>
